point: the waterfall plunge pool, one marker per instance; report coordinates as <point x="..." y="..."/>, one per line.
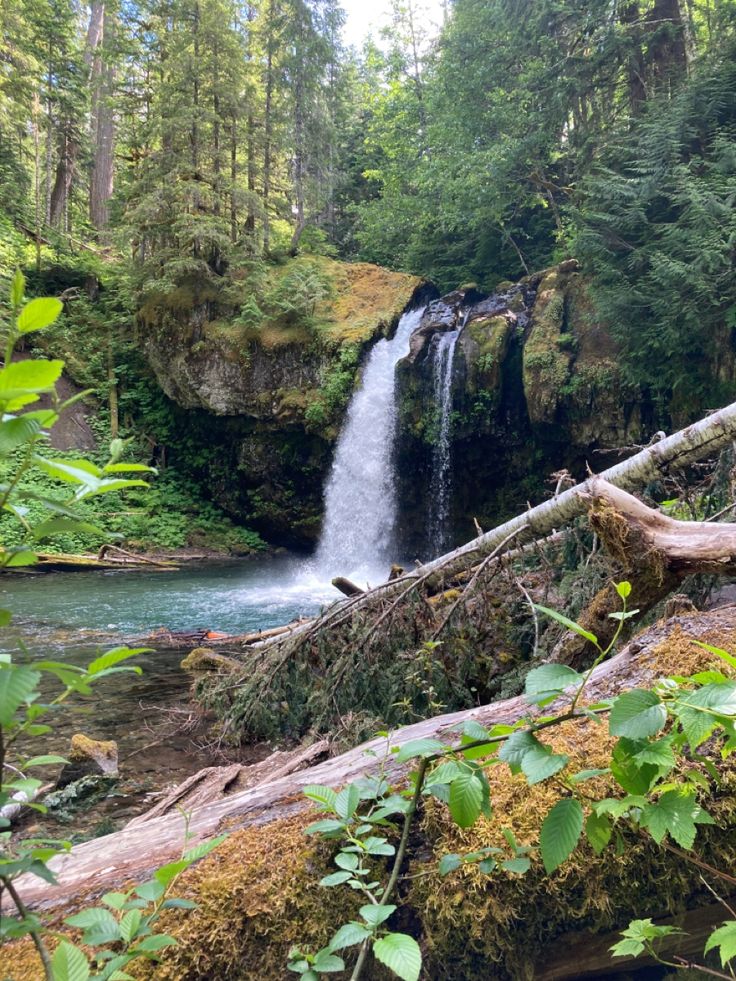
<point x="71" y="616"/>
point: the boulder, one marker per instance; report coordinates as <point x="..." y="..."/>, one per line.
<point x="89" y="757"/>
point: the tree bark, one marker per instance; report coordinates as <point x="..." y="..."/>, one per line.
<point x="653" y="552"/>
<point x="103" y="127"/>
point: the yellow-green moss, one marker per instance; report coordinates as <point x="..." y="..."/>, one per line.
<point x="546" y="366"/>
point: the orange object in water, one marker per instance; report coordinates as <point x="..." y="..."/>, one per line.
<point x="214" y="635"/>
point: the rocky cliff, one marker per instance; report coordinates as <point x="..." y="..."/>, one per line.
<point x="263" y="400"/>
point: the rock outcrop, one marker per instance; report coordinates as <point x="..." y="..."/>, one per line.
<point x="265" y="401"/>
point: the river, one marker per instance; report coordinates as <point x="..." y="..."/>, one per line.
<point x="72" y="616"/>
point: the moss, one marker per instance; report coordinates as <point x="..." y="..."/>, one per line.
<point x="258" y="895"/>
<point x="546" y="366"/>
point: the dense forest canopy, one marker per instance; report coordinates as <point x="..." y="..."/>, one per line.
<point x="194" y="138"/>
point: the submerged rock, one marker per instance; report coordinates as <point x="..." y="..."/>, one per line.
<point x="89" y="757"/>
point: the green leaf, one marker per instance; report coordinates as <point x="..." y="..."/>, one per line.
<point x="570" y="624"/>
<point x="71" y="471"/>
<point x="326" y="962"/>
<point x="326" y="827"/>
<point x="18" y="559"/>
<point x="46" y="760"/>
<point x="321" y="795"/>
<point x="723" y="655"/>
<point x="14" y="432"/>
<point x="517" y="865"/>
<point x="725" y="939"/>
<point x="449" y="863"/>
<point x="38" y="313"/>
<point x="152" y="944"/>
<point x="560" y="832"/>
<point x="374" y="913"/>
<point x="539" y="763"/>
<point x="335" y="879"/>
<point x="347" y="860"/>
<point x="22" y="378"/>
<point x="64" y="526"/>
<point x="17" y="289"/>
<point x="637" y="714"/>
<point x="346" y="802"/>
<point x="548" y="680"/>
<point x="672" y="813"/>
<point x="401" y="954"/>
<point x="69" y="963"/>
<point x="420" y="747"/>
<point x="115" y="656"/>
<point x="17" y="682"/>
<point x="202" y="849"/>
<point x="598" y="830"/>
<point x="444" y="773"/>
<point x="516" y="746"/>
<point x="167" y="873"/>
<point x="638" y="936"/>
<point x="623" y="589"/>
<point x="466" y="799"/>
<point x="150" y="891"/>
<point x="97" y="923"/>
<point x="129" y="924"/>
<point x="115" y="900"/>
<point x="582" y="775"/>
<point x="348" y="936"/>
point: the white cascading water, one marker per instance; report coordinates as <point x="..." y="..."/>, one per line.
<point x="441" y="487"/>
<point x="358" y="534"/>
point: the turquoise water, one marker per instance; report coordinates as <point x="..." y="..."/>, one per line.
<point x="233" y="597"/>
<point x="73" y="616"/>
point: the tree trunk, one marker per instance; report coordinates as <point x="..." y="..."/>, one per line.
<point x="653" y="552"/>
<point x="103" y="128"/>
<point x="69" y="147"/>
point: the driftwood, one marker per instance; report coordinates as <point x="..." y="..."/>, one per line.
<point x="653" y="551"/>
<point x="61" y="562"/>
<point x="346" y="586"/>
<point x="215" y="782"/>
<point x="678" y="451"/>
<point x="104" y="863"/>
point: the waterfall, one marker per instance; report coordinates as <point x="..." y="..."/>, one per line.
<point x="443" y="352"/>
<point x="358" y="534"/>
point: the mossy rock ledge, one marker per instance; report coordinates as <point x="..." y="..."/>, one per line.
<point x="267" y="399"/>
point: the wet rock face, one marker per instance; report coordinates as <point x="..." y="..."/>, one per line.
<point x="536" y="386"/>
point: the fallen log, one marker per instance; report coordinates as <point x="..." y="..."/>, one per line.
<point x="103" y="863"/>
<point x="674" y="452"/>
<point x="346" y="586"/>
<point x="653" y="551"/>
<point x="62" y="562"/>
<point x="215" y="782"/>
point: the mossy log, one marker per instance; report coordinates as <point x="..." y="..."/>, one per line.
<point x="94" y="866"/>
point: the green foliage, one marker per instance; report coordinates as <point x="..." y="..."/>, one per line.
<point x="651" y="800"/>
<point x="655" y="227"/>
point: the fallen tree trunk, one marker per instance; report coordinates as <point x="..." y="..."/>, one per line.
<point x="677" y="451"/>
<point x="104" y="863"/>
<point x="653" y="551"/>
